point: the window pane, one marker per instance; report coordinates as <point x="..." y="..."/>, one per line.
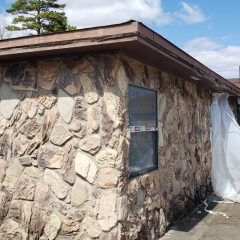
<point x="142" y="107"/>
<point x="143" y="152"/>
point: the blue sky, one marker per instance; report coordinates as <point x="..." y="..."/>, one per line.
<point x="207" y="29"/>
<point x="221" y="22"/>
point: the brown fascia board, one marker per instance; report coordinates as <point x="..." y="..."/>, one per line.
<point x="201" y="70"/>
<point x="83" y="35"/>
<point x="235" y="80"/>
<point x="131" y="37"/>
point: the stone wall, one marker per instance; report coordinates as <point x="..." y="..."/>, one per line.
<point x="64" y="147"/>
<point x="159" y="198"/>
<point x="62" y="144"/>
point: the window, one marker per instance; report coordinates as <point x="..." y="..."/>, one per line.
<point x="143" y="128"/>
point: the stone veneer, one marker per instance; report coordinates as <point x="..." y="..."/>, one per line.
<point x="64" y="144"/>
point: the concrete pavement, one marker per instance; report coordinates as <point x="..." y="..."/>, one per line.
<point x="200" y="225"/>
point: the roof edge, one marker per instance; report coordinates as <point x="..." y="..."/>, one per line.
<point x="116" y="34"/>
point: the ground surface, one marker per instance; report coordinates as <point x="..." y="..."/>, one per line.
<point x="202" y="226"/>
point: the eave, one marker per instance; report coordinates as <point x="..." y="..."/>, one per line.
<point x="131" y="38"/>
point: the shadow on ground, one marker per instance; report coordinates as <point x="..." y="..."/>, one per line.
<point x="200" y="225"/>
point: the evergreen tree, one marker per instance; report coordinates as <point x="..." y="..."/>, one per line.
<point x="42" y="16"/>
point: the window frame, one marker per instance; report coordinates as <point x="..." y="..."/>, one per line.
<point x="137" y="129"/>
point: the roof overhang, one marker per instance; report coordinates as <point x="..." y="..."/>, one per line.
<point x="132" y="38"/>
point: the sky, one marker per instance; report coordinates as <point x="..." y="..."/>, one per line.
<point x="208" y="30"/>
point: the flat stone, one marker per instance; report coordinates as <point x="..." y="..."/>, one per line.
<point x="33" y="172"/>
<point x="37" y="222"/>
<point x="75" y="126"/>
<point x="80" y="193"/>
<point x="59" y="135"/>
<point x="93" y="229"/>
<point x="9" y="101"/>
<point x="13" y="171"/>
<point x="22" y="76"/>
<point x="114" y="234"/>
<point x="6" y="144"/>
<point x="82" y="164"/>
<point x="30" y="107"/>
<point x="21" y="144"/>
<point x="113" y="107"/>
<point x="160" y="135"/>
<point x="162" y="222"/>
<point x="85" y="167"/>
<point x="3" y="165"/>
<point x="119" y="75"/>
<point x="108" y="177"/>
<point x="56" y="183"/>
<point x="82" y="236"/>
<point x="33" y="145"/>
<point x="50" y="157"/>
<point x="18" y="119"/>
<point x="65" y="106"/>
<point x="162" y="161"/>
<point x="92" y="172"/>
<point x="42" y="195"/>
<point x="26" y="215"/>
<point x="61" y="207"/>
<point x="48" y="123"/>
<point x="35" y="162"/>
<point x="69" y="173"/>
<point x="78" y="129"/>
<point x="107" y="68"/>
<point x="80" y="108"/>
<point x="46" y="100"/>
<point x="25" y="188"/>
<point x="15" y="211"/>
<point x="90" y="144"/>
<point x="3" y="124"/>
<point x="106" y="126"/>
<point x="30" y="128"/>
<point x="25" y="161"/>
<point x="52" y="227"/>
<point x="82" y="66"/>
<point x="107" y="210"/>
<point x="176" y="186"/>
<point x="93" y="119"/>
<point x="66" y="81"/>
<point x="162" y="100"/>
<point x="106" y="157"/>
<point x="41" y="110"/>
<point x="10" y="230"/>
<point x="5" y="201"/>
<point x="47" y="73"/>
<point x="188" y="87"/>
<point x="89" y="89"/>
<point x="69" y="225"/>
<point x="122" y="205"/>
<point x="170" y="119"/>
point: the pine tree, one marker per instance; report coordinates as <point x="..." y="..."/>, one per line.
<point x="40" y="16"/>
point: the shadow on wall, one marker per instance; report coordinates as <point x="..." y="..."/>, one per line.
<point x="58" y="80"/>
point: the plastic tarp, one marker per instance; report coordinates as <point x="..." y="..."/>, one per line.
<point x="225" y="149"/>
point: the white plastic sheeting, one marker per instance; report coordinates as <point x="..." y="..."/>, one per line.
<point x="225" y="149"/>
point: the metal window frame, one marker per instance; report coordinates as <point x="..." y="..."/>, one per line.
<point x="145" y="128"/>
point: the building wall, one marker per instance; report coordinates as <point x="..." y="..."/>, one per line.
<point x="159" y="198"/>
<point x="64" y="147"/>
